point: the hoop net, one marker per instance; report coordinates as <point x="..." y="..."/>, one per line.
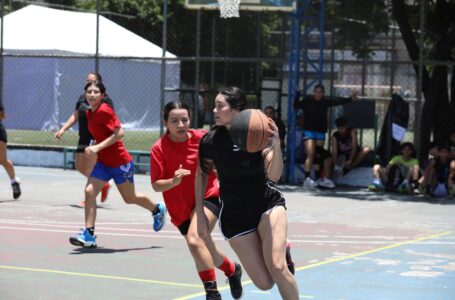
<point x="229" y="8"/>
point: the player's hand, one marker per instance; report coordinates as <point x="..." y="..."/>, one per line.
<point x="94" y="149"/>
<point x="59" y="134"/>
<point x="179" y="174"/>
<point x="202" y="225"/>
<point x="274" y="135"/>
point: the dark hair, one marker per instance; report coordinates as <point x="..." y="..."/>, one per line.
<point x="270" y="107"/>
<point x="97" y="75"/>
<point x="341" y="121"/>
<point x="321" y="86"/>
<point x="174" y="105"/>
<point x="410" y="145"/>
<point x="235" y="97"/>
<point x="96" y="83"/>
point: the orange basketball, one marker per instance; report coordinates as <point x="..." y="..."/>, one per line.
<point x="249" y="130"/>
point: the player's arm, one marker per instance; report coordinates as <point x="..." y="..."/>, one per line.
<point x="200" y="185"/>
<point x="334" y="149"/>
<point x="72" y="119"/>
<point x="273" y="158"/>
<point x="354" y="146"/>
<point x="116" y="136"/>
<point x="162" y="185"/>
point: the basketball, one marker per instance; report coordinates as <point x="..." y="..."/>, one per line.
<point x="249" y="130"/>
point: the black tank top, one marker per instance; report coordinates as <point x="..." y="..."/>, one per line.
<point x="344" y="143"/>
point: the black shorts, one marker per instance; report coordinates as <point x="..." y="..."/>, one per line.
<point x="242" y="212"/>
<point x="213" y="204"/>
<point x="3" y="136"/>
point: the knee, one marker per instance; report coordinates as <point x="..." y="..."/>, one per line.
<point x="376" y="168"/>
<point x="89" y="193"/>
<point x="366" y="150"/>
<point x="452" y="165"/>
<point x="193" y="241"/>
<point x="129" y="200"/>
<point x="264" y="285"/>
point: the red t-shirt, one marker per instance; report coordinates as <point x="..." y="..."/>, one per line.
<point x="101" y="124"/>
<point x="165" y="158"/>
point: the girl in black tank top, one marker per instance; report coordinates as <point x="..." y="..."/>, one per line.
<point x="253" y="209"/>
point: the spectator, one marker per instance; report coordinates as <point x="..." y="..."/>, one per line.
<point x="271" y="113"/>
<point x="401" y="173"/>
<point x="315" y="109"/>
<point x="346" y="153"/>
<point x="438" y="179"/>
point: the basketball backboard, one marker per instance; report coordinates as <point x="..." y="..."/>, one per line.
<point x="256" y="5"/>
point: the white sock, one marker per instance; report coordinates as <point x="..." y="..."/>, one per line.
<point x="376" y="181"/>
<point x="13" y="181"/>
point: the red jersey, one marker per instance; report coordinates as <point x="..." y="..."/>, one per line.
<point x="165" y="158"/>
<point x="101" y="123"/>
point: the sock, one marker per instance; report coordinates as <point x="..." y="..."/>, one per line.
<point x="208" y="278"/>
<point x="208" y="275"/>
<point x="227" y="267"/>
<point x="13" y="181"/>
<point x="91" y="230"/>
<point x="376" y="181"/>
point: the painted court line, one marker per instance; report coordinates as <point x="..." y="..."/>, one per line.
<point x="334" y="260"/>
<point x="101" y="276"/>
<point x="178" y="236"/>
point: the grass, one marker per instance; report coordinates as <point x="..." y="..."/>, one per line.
<point x="134" y="140"/>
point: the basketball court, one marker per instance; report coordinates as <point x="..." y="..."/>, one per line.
<point x="347" y="244"/>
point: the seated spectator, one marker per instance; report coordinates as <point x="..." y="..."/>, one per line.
<point x="322" y="167"/>
<point x="271" y="113"/>
<point x="346" y="153"/>
<point x="438" y="178"/>
<point x="401" y="173"/>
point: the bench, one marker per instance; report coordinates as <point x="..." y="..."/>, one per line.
<point x="141" y="159"/>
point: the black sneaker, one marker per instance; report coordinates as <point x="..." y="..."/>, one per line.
<point x="211" y="291"/>
<point x="16" y="190"/>
<point x="289" y="261"/>
<point x="235" y="282"/>
<point x="213" y="296"/>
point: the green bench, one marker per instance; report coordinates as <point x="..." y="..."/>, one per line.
<point x="141" y="159"/>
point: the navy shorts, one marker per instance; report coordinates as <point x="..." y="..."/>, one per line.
<point x="213" y="204"/>
<point x="120" y="174"/>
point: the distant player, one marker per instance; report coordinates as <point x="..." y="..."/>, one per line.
<point x="113" y="162"/>
<point x="4" y="161"/>
<point x="84" y="162"/>
<point x="173" y="167"/>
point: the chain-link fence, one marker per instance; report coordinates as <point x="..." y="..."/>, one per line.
<point x="40" y="88"/>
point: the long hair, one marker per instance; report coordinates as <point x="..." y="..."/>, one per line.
<point x="235" y="97"/>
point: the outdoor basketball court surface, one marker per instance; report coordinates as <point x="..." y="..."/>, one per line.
<point x="347" y="244"/>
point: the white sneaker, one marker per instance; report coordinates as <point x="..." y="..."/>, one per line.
<point x="309" y="183"/>
<point x="327" y="183"/>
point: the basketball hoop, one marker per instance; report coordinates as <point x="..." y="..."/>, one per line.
<point x="229" y="8"/>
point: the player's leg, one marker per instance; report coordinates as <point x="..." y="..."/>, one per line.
<point x="9" y="168"/>
<point x="273" y="232"/>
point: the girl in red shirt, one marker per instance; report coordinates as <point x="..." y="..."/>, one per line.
<point x="174" y="160"/>
<point x="113" y="162"/>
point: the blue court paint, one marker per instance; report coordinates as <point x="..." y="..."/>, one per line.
<point x="413" y="271"/>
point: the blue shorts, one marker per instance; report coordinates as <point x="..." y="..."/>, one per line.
<point x="119" y="174"/>
<point x="314" y="135"/>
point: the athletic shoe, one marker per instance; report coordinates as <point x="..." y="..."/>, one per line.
<point x="213" y="296"/>
<point x="84" y="239"/>
<point x="309" y="183"/>
<point x="235" y="282"/>
<point x="325" y="182"/>
<point x="376" y="187"/>
<point x="16" y="190"/>
<point x="105" y="191"/>
<point x="289" y="261"/>
<point x="211" y="291"/>
<point x="159" y="219"/>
